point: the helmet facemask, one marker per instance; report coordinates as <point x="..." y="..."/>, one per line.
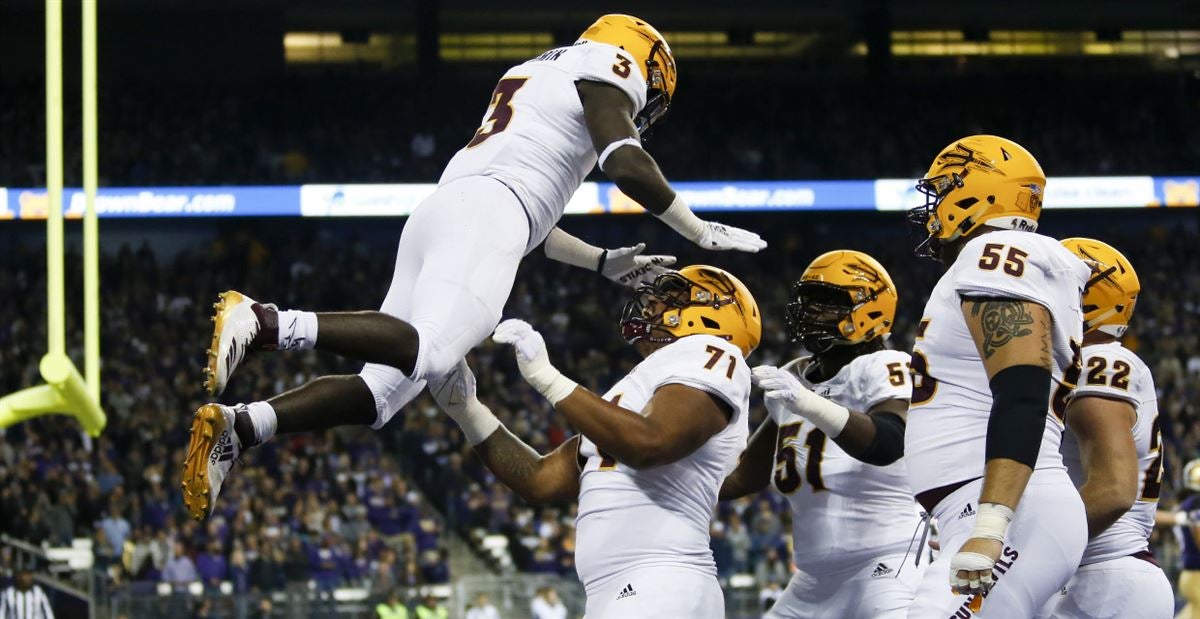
<point x="814" y="319"/>
<point x="645" y="314"/>
<point x="658" y="99"/>
<point x="923" y="219"/>
<point x="655" y="308"/>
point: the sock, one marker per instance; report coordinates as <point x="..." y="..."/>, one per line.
<point x="262" y="416"/>
<point x="297" y="330"/>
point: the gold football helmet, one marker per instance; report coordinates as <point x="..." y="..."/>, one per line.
<point x="981" y="179"/>
<point x="653" y="55"/>
<point x="843" y="298"/>
<point x="694" y="300"/>
<point x="1191" y="475"/>
<point x="1111" y="293"/>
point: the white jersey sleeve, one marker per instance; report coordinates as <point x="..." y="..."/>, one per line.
<point x="614" y="66"/>
<point x="883" y="376"/>
<point x="1111" y="371"/>
<point x="709" y="364"/>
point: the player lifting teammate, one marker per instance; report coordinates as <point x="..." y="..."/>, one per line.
<point x="652" y="451"/>
<point x="853" y="515"/>
<point x="550" y="121"/>
<point x="997" y="348"/>
<point x="1113" y="453"/>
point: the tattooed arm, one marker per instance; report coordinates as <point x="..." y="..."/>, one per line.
<point x="534" y="477"/>
<point x="1013" y="340"/>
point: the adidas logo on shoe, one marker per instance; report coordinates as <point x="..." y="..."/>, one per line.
<point x="967" y="511"/>
<point x="223" y="452"/>
<point x="627" y="592"/>
<point x="881" y="570"/>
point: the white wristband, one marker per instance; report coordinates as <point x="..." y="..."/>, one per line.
<point x="568" y="249"/>
<point x="683" y="220"/>
<point x="551" y="384"/>
<point x="992" y="521"/>
<point x="477" y="421"/>
<point x="611" y="148"/>
<point x="1181" y="519"/>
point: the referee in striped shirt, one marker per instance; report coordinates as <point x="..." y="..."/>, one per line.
<point x="23" y="599"/>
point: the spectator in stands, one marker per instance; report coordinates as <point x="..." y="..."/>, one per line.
<point x="211" y="565"/>
<point x="180" y="571"/>
<point x="546" y="604"/>
<point x="24" y="599"/>
<point x="482" y="608"/>
<point x="431" y="608"/>
<point x="393" y="607"/>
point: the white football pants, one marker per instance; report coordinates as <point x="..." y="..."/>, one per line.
<point x="455" y="266"/>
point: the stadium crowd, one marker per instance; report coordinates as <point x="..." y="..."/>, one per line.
<point x="369" y="508"/>
<point x="379" y="129"/>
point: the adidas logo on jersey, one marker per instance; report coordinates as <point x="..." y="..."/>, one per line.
<point x="881" y="570"/>
<point x="966" y="512"/>
<point x="626" y="592"/>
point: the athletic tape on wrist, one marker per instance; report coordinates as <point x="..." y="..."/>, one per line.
<point x="992" y="521"/>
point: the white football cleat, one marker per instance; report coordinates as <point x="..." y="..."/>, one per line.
<point x="236" y="330"/>
<point x="212" y="451"/>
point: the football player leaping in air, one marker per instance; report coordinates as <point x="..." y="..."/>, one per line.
<point x="833" y="444"/>
<point x="1113" y="452"/>
<point x="652" y="451"/>
<point x="550" y="121"/>
<point x="996" y="350"/>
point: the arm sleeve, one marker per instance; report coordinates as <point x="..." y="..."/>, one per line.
<point x="1109" y="372"/>
<point x="709" y="364"/>
<point x="614" y="66"/>
<point x="884" y="377"/>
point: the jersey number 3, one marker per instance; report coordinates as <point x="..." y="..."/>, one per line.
<point x="501" y="107"/>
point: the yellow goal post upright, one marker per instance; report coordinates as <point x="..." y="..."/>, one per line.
<point x="65" y="391"/>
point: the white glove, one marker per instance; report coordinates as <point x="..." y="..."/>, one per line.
<point x="455" y="395"/>
<point x="720" y="237"/>
<point x="626" y="265"/>
<point x="533" y="361"/>
<point x="783" y="388"/>
<point x="707" y="234"/>
<point x="979" y="565"/>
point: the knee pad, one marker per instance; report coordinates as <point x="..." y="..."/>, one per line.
<point x="391" y="389"/>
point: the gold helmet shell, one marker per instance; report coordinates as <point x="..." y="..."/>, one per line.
<point x="978" y="180"/>
<point x="694" y="300"/>
<point x="1112" y="291"/>
<point x="843" y="298"/>
<point x="653" y="56"/>
<point x="1191" y="475"/>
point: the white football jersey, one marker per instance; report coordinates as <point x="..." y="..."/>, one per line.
<point x="948" y="418"/>
<point x="844" y="511"/>
<point x="533" y="137"/>
<point x="1112" y="371"/>
<point x="659" y="517"/>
